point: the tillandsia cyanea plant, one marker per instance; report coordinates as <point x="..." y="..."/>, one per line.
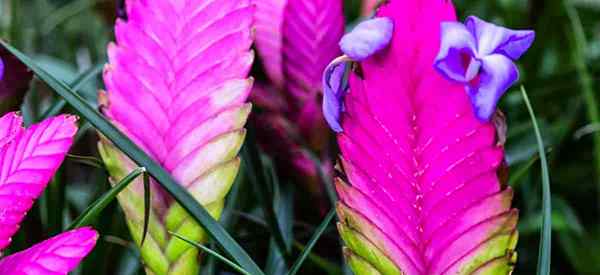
<point x="419" y="184"/>
<point x="28" y="160"/>
<point x="295" y="39"/>
<point x="177" y="85"/>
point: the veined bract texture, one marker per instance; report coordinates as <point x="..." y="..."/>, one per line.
<point x="29" y="158"/>
<point x="295" y="40"/>
<point x="419" y="187"/>
<point x="177" y="85"/>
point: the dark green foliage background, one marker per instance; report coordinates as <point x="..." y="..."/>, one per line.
<point x="560" y="72"/>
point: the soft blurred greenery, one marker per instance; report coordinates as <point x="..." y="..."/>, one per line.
<point x="561" y="73"/>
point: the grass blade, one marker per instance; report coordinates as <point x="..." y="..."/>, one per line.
<point x="187" y="201"/>
<point x="258" y="179"/>
<point x="93" y="210"/>
<point x="585" y="81"/>
<point x="545" y="250"/>
<point x="311" y="243"/>
<point x="211" y="252"/>
<point x="146" y="206"/>
<point x="77" y="84"/>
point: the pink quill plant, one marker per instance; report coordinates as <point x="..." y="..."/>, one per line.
<point x="28" y="160"/>
<point x="295" y="40"/>
<point x="177" y="85"/>
<point x="421" y="164"/>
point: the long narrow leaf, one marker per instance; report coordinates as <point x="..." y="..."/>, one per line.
<point x="77" y="84"/>
<point x="181" y="195"/>
<point x="258" y="179"/>
<point x="95" y="208"/>
<point x="212" y="252"/>
<point x="545" y="251"/>
<point x="312" y="242"/>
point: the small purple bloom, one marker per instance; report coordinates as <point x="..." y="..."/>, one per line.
<point x="334" y="91"/>
<point x="367" y="38"/>
<point x="481" y="55"/>
<point x="1" y="69"/>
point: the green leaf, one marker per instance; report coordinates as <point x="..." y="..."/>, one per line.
<point x="256" y="175"/>
<point x="146" y="207"/>
<point x="77" y="84"/>
<point x="311" y="243"/>
<point x="545" y="250"/>
<point x="212" y="253"/>
<point x="94" y="210"/>
<point x="187" y="201"/>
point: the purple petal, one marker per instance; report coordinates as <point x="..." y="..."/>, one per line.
<point x="333" y="92"/>
<point x="498" y="74"/>
<point x="367" y="38"/>
<point x="1" y="69"/>
<point x="456" y="59"/>
<point x="493" y="39"/>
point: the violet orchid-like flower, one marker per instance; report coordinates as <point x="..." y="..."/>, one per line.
<point x="365" y="40"/>
<point x="481" y="56"/>
<point x="29" y="158"/>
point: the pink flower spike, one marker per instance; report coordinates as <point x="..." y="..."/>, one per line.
<point x="28" y="159"/>
<point x="55" y="256"/>
<point x="177" y="85"/>
<point x="419" y="187"/>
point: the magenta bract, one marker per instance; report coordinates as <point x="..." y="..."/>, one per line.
<point x="420" y="192"/>
<point x="28" y="160"/>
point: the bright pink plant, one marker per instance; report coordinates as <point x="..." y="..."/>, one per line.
<point x="28" y="160"/>
<point x="177" y="85"/>
<point x="295" y="39"/>
<point x="419" y="191"/>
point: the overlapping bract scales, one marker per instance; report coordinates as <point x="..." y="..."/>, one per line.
<point x="177" y="86"/>
<point x="28" y="160"/>
<point x="311" y="32"/>
<point x="420" y="192"/>
<point x="57" y="255"/>
<point x="268" y="23"/>
<point x="295" y="41"/>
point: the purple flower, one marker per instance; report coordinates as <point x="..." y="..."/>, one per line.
<point x="481" y="55"/>
<point x="333" y="92"/>
<point x="1" y="69"/>
<point x="365" y="40"/>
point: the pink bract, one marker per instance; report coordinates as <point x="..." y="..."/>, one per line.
<point x="54" y="256"/>
<point x="421" y="183"/>
<point x="28" y="160"/>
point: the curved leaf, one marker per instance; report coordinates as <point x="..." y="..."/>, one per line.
<point x="28" y="160"/>
<point x="420" y="192"/>
<point x="56" y="256"/>
<point x="177" y="86"/>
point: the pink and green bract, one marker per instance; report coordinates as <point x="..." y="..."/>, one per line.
<point x="419" y="190"/>
<point x="177" y="85"/>
<point x="28" y="160"/>
<point x="295" y="40"/>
